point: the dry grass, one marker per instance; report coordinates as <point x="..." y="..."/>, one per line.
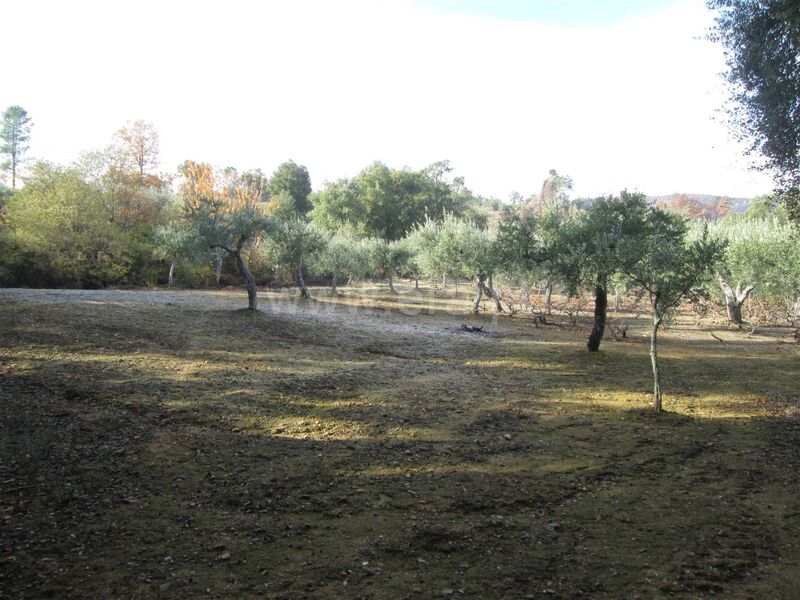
<point x="169" y="445"/>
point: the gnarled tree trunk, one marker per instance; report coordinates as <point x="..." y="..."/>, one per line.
<point x="334" y="292"/>
<point x="600" y="310"/>
<point x="476" y="304"/>
<point x="492" y="293"/>
<point x="301" y="283"/>
<point x="734" y="299"/>
<point x="249" y="280"/>
<point x="390" y="278"/>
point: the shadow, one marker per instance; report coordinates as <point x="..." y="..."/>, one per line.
<point x="218" y="453"/>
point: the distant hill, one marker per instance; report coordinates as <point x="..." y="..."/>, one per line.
<point x="738" y="205"/>
<point x="699" y="206"/>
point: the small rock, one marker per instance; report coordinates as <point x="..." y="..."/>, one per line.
<point x="224" y="556"/>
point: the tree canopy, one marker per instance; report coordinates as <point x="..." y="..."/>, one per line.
<point x="762" y="44"/>
<point x="293" y="180"/>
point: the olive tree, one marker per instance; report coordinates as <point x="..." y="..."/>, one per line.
<point x="668" y="269"/>
<point x="225" y="211"/>
<point x="592" y="250"/>
<point x="340" y="258"/>
<point x="291" y="243"/>
<point x="472" y="251"/>
<point x="388" y="258"/>
<point x="761" y="39"/>
<point x="436" y="253"/>
<point x="761" y="257"/>
<point x="173" y="242"/>
<point x="524" y="247"/>
<point x="422" y="242"/>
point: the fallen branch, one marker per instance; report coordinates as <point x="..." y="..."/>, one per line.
<point x="719" y="339"/>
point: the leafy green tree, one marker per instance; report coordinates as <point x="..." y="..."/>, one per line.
<point x="340" y="258"/>
<point x="600" y="243"/>
<point x="422" y="247"/>
<point x="63" y="234"/>
<point x="338" y="205"/>
<point x="282" y="207"/>
<point x="5" y="194"/>
<point x="226" y="212"/>
<point x="442" y="196"/>
<point x="15" y="134"/>
<point x="387" y="258"/>
<point x="763" y="256"/>
<point x="174" y="242"/>
<point x="524" y="246"/>
<point x="761" y="39"/>
<point x="291" y="244"/>
<point x="465" y="249"/>
<point x="388" y="203"/>
<point x="392" y="201"/>
<point x="435" y="246"/>
<point x="668" y="270"/>
<point x="762" y="207"/>
<point x="293" y="179"/>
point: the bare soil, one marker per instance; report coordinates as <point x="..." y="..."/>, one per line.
<point x="171" y="445"/>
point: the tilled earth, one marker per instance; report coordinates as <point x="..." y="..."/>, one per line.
<point x="171" y="445"/>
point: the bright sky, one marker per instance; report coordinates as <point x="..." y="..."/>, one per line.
<point x="615" y="94"/>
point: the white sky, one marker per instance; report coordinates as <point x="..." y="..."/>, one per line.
<point x="337" y="84"/>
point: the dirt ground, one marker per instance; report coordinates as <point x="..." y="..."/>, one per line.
<point x="170" y="445"/>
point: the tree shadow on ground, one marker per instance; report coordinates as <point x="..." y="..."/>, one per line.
<point x="262" y="457"/>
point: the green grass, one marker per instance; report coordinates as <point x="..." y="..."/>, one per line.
<point x="171" y="451"/>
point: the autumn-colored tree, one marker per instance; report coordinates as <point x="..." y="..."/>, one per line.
<point x="135" y="147"/>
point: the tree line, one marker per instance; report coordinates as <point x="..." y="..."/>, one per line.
<point x="112" y="219"/>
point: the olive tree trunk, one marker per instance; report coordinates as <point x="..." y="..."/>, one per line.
<point x="334" y="291"/>
<point x="526" y="294"/>
<point x="734" y="299"/>
<point x="476" y="304"/>
<point x="301" y="283"/>
<point x="218" y="265"/>
<point x="654" y="362"/>
<point x="492" y="293"/>
<point x="600" y="311"/>
<point x="548" y="297"/>
<point x="171" y="276"/>
<point x="390" y="278"/>
<point x="249" y="280"/>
